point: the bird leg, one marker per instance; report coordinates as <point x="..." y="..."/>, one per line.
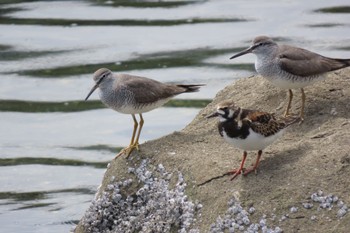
<point x="302" y="104"/>
<point x="127" y="150"/>
<point x="286" y="113"/>
<point x="254" y="168"/>
<point x="134" y="131"/>
<point x="136" y="143"/>
<point x="238" y="171"/>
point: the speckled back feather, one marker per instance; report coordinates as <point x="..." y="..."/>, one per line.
<point x="266" y="123"/>
<point x="236" y="121"/>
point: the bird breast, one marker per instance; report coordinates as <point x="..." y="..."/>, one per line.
<point x="253" y="141"/>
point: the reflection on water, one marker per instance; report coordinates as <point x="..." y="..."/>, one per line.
<point x="53" y="161"/>
<point x="55" y="147"/>
<point x="76" y="106"/>
<point x="336" y="9"/>
<point x="160" y="60"/>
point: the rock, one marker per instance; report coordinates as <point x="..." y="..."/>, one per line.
<point x="291" y="169"/>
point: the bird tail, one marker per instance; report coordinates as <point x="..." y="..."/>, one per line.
<point x="340" y="63"/>
<point x="191" y="87"/>
<point x="345" y="61"/>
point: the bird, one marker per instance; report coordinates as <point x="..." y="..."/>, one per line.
<point x="130" y="94"/>
<point x="249" y="130"/>
<point x="289" y="67"/>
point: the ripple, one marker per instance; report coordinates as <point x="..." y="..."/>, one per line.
<point x="49" y="161"/>
<point x="334" y="10"/>
<point x="169" y="59"/>
<point x="76" y="106"/>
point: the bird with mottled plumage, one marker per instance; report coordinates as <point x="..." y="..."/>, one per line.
<point x="130" y="94"/>
<point x="249" y="130"/>
<point x="289" y="67"/>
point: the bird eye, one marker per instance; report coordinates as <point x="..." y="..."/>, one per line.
<point x="102" y="77"/>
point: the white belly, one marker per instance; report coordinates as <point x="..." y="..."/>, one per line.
<point x="285" y="83"/>
<point x="130" y="109"/>
<point x="254" y="141"/>
<point x="281" y="79"/>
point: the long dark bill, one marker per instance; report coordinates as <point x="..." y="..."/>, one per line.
<point x="92" y="90"/>
<point x="248" y="50"/>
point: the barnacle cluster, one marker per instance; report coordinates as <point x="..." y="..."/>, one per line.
<point x="154" y="207"/>
<point x="329" y="201"/>
<point x="237" y="219"/>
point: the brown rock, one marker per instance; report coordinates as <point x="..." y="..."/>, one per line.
<point x="309" y="157"/>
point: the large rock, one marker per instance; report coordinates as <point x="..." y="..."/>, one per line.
<point x="312" y="156"/>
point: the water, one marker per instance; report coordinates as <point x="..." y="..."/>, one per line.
<point x="55" y="147"/>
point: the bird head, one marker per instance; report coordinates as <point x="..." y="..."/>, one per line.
<point x="260" y="45"/>
<point x="100" y="76"/>
<point x="225" y="111"/>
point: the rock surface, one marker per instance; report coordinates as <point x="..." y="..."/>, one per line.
<point x="286" y="192"/>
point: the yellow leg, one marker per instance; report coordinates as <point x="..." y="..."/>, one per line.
<point x="134" y="131"/>
<point x="286" y="113"/>
<point x="127" y="150"/>
<point x="136" y="143"/>
<point x="302" y="104"/>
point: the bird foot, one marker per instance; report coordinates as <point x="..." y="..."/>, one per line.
<point x="301" y="119"/>
<point x="136" y="145"/>
<point x="127" y="150"/>
<point x="247" y="171"/>
<point x="287" y="114"/>
<point x="242" y="171"/>
<point x="236" y="172"/>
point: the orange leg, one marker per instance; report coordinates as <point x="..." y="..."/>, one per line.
<point x="254" y="168"/>
<point x="238" y="171"/>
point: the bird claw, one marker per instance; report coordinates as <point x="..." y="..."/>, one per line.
<point x="127" y="150"/>
<point x="120" y="153"/>
<point x="246" y="172"/>
<point x="235" y="172"/>
<point x="242" y="171"/>
<point x="136" y="145"/>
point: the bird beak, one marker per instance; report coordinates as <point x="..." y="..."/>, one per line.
<point x="214" y="114"/>
<point x="92" y="90"/>
<point x="248" y="50"/>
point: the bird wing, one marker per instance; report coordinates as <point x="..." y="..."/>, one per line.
<point x="263" y="123"/>
<point x="301" y="62"/>
<point x="257" y="117"/>
<point x="145" y="90"/>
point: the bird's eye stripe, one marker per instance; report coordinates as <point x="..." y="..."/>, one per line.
<point x="100" y="80"/>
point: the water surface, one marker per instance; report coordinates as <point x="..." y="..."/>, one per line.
<point x="55" y="147"/>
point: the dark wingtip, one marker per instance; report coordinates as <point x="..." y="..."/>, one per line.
<point x="345" y="62"/>
<point x="191" y="87"/>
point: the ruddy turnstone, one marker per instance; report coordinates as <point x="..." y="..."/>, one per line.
<point x="249" y="130"/>
<point x="133" y="95"/>
<point x="290" y="67"/>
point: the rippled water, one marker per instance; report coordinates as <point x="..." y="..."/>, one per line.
<point x="55" y="147"/>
